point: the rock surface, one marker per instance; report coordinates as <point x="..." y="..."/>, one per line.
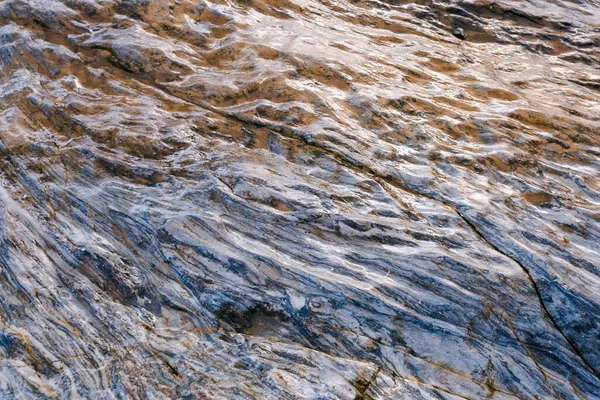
<point x="299" y="199"/>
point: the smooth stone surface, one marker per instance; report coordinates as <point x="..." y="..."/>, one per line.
<point x="459" y="33"/>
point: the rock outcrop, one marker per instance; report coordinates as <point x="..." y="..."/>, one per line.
<point x="285" y="199"/>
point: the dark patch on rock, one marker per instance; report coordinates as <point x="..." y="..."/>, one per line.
<point x="233" y="317"/>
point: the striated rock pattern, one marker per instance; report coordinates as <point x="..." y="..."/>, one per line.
<point x="299" y="199"/>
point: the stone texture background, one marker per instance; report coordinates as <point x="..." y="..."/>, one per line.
<point x="299" y="199"/>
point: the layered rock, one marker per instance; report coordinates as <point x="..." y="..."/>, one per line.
<point x="299" y="199"/>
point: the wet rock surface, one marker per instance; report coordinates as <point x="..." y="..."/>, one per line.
<point x="284" y="199"/>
